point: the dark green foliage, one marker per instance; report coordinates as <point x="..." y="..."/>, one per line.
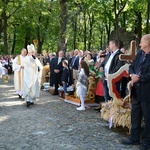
<point x="89" y="23"/>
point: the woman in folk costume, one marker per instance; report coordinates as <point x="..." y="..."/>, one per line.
<point x="99" y="93"/>
<point x="82" y="83"/>
<point x="90" y="62"/>
<point x="18" y="68"/>
<point x="32" y="70"/>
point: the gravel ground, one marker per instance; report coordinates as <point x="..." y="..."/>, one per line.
<point x="52" y="124"/>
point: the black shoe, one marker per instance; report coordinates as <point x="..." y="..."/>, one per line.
<point x="129" y="142"/>
<point x="144" y="147"/>
<point x="98" y="109"/>
<point x="31" y="103"/>
<point x="19" y="96"/>
<point x="55" y="94"/>
<point x="28" y="104"/>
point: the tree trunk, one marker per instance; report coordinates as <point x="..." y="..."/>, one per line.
<point x="74" y="27"/>
<point x="75" y="33"/>
<point x="91" y="18"/>
<point x="124" y="19"/>
<point x="14" y="43"/>
<point x="116" y="20"/>
<point x="40" y="44"/>
<point x="148" y="18"/>
<point x="108" y="28"/>
<point x="118" y="8"/>
<point x="62" y="42"/>
<point x="138" y="28"/>
<point x="1" y="27"/>
<point x="5" y="32"/>
<point x="41" y="35"/>
<point x="104" y="37"/>
<point x="84" y="30"/>
<point x="101" y="35"/>
<point x="27" y="38"/>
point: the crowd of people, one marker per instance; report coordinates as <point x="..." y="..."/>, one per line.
<point x="76" y="66"/>
<point x="6" y="63"/>
<point x="66" y="69"/>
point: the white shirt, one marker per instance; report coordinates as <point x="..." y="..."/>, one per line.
<point x="74" y="60"/>
<point x="59" y="60"/>
<point x="80" y="58"/>
<point x="106" y="69"/>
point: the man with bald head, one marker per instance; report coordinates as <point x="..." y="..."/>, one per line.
<point x="140" y="83"/>
<point x="18" y="67"/>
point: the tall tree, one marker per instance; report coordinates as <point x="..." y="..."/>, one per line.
<point x="118" y="8"/>
<point x="4" y="26"/>
<point x="91" y="21"/>
<point x="148" y="17"/>
<point x="62" y="43"/>
<point x="6" y="4"/>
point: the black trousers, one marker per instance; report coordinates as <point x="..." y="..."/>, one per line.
<point x="57" y="81"/>
<point x="140" y="110"/>
<point x="71" y="77"/>
<point x="52" y="79"/>
<point x="124" y="83"/>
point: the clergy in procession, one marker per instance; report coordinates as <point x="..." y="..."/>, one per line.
<point x="32" y="71"/>
<point x="18" y="67"/>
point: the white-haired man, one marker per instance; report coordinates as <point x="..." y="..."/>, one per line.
<point x="31" y="84"/>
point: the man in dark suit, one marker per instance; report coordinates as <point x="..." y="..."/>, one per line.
<point x="140" y="94"/>
<point x="71" y="53"/>
<point x="110" y="65"/>
<point x="51" y="61"/>
<point x="58" y="69"/>
<point x="73" y="65"/>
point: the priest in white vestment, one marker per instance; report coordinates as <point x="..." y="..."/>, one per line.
<point x="32" y="71"/>
<point x="18" y="68"/>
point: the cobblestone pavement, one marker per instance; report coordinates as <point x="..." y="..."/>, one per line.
<point x="52" y="124"/>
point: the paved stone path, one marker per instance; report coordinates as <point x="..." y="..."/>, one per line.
<point x="52" y="124"/>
